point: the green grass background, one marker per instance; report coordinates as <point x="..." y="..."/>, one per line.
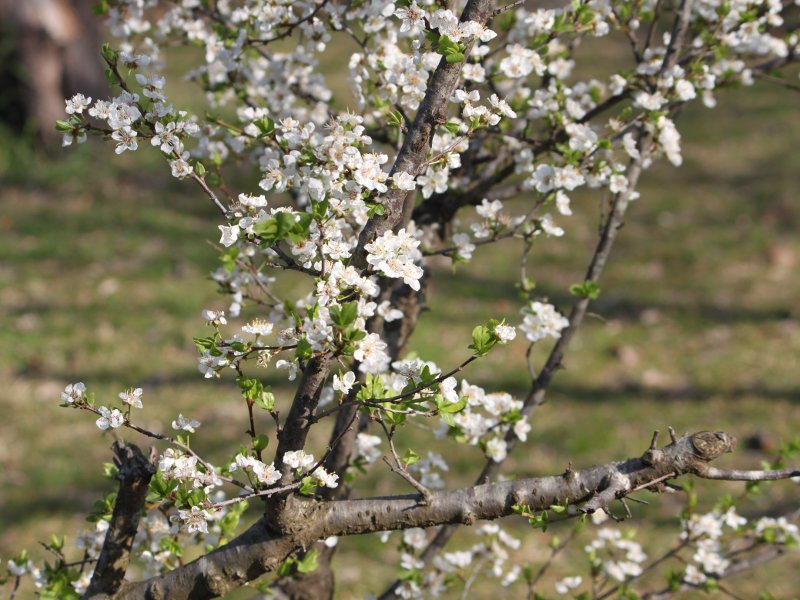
<point x="103" y="274"/>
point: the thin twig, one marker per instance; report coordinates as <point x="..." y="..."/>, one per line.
<point x="400" y="469"/>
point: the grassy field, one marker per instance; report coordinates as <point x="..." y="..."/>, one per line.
<point x="103" y="274"/>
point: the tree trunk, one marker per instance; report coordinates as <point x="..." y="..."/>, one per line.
<point x="51" y="51"/>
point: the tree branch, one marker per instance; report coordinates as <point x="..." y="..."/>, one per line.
<point x="260" y="549"/>
<point x="538" y="391"/>
<point x="432" y="113"/>
<point x="300" y="418"/>
<point x="135" y="472"/>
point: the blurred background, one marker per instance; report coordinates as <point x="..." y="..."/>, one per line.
<point x="104" y="266"/>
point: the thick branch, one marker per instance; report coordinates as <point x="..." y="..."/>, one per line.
<point x="259" y="549"/>
<point x="300" y="418"/>
<point x="432" y="113"/>
<point x="135" y="472"/>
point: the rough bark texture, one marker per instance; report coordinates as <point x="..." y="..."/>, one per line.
<point x="135" y="472"/>
<point x="293" y="434"/>
<point x="260" y="549"/>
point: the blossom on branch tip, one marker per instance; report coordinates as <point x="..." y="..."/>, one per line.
<point x="132" y="397"/>
<point x="74" y="392"/>
<point x="371" y="353"/>
<point x="326" y="479"/>
<point x="185" y="424"/>
<point x="497" y="449"/>
<point x="214" y="317"/>
<point x="258" y="327"/>
<point x="505" y="333"/>
<point x="265" y="473"/>
<point x="393" y="254"/>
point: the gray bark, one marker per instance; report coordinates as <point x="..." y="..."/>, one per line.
<point x="261" y="549"/>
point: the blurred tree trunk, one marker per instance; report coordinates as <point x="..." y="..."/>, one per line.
<point x="50" y="50"/>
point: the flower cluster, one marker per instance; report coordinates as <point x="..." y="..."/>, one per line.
<point x="520" y="121"/>
<point x="542" y="320"/>
<point x="394" y="255"/>
<point x="619" y="557"/>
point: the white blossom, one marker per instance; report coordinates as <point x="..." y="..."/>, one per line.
<point x="505" y="333"/>
<point x="74" y="392"/>
<point x="132" y="397"/>
<point x="109" y="419"/>
<point x="403" y="180"/>
<point x="185" y="424"/>
<point x="298" y="459"/>
<point x="195" y="520"/>
<point x="567" y="584"/>
<point x="367" y="447"/>
<point x="344" y="383"/>
<point x="542" y="320"/>
<point x="126" y="138"/>
<point x="497" y="449"/>
<point x="77" y="104"/>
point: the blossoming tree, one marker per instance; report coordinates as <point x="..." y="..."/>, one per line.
<point x="453" y="110"/>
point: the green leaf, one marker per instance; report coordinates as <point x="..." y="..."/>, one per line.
<point x="452" y="127"/>
<point x="375" y="208"/>
<point x="265" y="125"/>
<point x="411" y="458"/>
<point x="285" y="223"/>
<point x="260" y="442"/>
<point x="57" y="543"/>
<point x="345" y="315"/>
<point x="451" y="407"/>
<point x="303" y="350"/>
<point x="482" y="340"/>
<point x="433" y="37"/>
<point x="108" y="54"/>
<point x="307" y="486"/>
<point x="308" y="563"/>
<point x="454" y="57"/>
<point x="162" y="487"/>
<point x="373" y="388"/>
<point x="319" y="210"/>
<point x="395" y="119"/>
<point x="285" y="570"/>
<point x="64" y="126"/>
<point x="199" y="168"/>
<point x="110" y="470"/>
<point x="267" y="230"/>
<point x="587" y="289"/>
<point x="448" y="418"/>
<point x="228" y="258"/>
<point x="394" y="418"/>
<point x="265" y="400"/>
<point x="100" y="8"/>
